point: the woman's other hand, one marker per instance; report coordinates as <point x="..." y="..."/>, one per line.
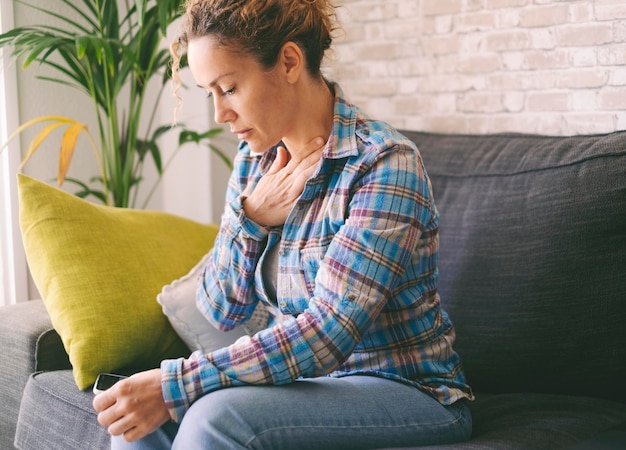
<point x="279" y="189"/>
<point x="133" y="407"/>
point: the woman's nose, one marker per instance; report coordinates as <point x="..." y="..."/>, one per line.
<point x="223" y="113"/>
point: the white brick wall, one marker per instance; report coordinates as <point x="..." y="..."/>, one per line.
<point x="478" y="66"/>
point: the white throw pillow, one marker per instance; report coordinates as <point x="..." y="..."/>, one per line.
<point x="178" y="301"/>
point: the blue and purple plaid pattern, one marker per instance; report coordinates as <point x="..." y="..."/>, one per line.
<point x="357" y="281"/>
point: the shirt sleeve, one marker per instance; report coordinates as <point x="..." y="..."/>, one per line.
<point x="226" y="296"/>
<point x="366" y="258"/>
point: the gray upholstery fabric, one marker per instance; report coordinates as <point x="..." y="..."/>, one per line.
<point x="55" y="415"/>
<point x="542" y="421"/>
<point x="51" y="354"/>
<point x="611" y="439"/>
<point x="533" y="259"/>
<point x="21" y="326"/>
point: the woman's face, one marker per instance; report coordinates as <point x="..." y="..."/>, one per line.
<point x="255" y="102"/>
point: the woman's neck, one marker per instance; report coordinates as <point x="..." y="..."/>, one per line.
<point x="314" y="118"/>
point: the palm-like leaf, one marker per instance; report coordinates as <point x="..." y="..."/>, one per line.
<point x="68" y="143"/>
<point x="102" y="50"/>
<point x="39" y="138"/>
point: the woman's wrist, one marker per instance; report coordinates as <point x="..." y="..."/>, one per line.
<point x="249" y="225"/>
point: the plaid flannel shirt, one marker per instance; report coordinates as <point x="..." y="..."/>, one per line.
<point x="357" y="275"/>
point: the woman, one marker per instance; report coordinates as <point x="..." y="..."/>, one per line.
<point x="329" y="219"/>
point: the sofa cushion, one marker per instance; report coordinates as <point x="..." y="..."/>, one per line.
<point x="552" y="421"/>
<point x="533" y="258"/>
<point x="99" y="270"/>
<point x="543" y="421"/>
<point x="178" y="300"/>
<point x="611" y="439"/>
<point x="54" y="415"/>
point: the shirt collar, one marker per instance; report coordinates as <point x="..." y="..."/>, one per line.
<point x="342" y="141"/>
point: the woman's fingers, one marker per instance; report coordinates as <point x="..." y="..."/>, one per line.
<point x="282" y="158"/>
<point x="133" y="407"/>
<point x="278" y="190"/>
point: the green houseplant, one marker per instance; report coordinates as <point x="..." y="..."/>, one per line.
<point x="111" y="50"/>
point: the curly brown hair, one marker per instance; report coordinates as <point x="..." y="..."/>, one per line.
<point x="260" y="28"/>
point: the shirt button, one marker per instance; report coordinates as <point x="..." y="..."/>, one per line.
<point x="283" y="304"/>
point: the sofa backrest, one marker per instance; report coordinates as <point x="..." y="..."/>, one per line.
<point x="533" y="258"/>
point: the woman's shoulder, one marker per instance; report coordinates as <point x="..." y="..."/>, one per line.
<point x="378" y="132"/>
<point x="378" y="142"/>
<point x="377" y="137"/>
<point x="356" y="128"/>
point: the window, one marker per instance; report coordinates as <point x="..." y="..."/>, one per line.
<point x="13" y="271"/>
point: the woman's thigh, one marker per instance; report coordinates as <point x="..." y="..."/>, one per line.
<point x="355" y="412"/>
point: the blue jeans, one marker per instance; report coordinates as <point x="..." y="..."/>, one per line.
<point x="355" y="412"/>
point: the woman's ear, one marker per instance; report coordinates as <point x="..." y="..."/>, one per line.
<point x="291" y="61"/>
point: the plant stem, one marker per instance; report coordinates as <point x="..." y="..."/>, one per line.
<point x="160" y="177"/>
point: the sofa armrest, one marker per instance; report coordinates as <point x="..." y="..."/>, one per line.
<point x="29" y="343"/>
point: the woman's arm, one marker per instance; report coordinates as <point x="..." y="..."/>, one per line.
<point x="387" y="214"/>
<point x="253" y="204"/>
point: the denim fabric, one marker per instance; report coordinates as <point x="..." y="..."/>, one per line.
<point x="356" y="412"/>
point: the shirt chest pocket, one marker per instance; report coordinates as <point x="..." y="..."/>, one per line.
<point x="296" y="282"/>
<point x="310" y="259"/>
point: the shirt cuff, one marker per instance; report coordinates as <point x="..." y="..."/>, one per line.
<point x="185" y="380"/>
<point x="250" y="228"/>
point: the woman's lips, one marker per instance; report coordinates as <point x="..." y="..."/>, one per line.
<point x="241" y="134"/>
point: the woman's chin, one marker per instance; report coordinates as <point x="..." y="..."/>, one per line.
<point x="257" y="146"/>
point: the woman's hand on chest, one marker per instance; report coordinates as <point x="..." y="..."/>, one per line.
<point x="278" y="190"/>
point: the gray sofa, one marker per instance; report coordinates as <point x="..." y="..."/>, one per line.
<point x="532" y="272"/>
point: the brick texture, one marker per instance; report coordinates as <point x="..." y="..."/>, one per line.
<point x="480" y="66"/>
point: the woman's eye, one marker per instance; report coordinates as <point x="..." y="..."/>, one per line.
<point x="230" y="91"/>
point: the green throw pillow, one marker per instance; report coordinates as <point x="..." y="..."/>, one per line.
<point x="99" y="270"/>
